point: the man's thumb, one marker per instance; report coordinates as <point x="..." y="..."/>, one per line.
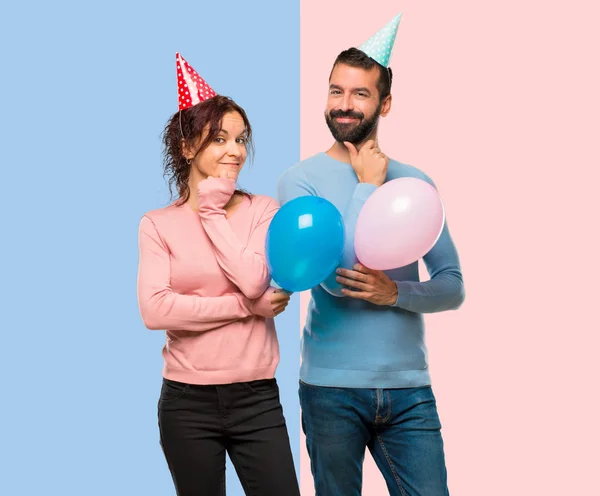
<point x="351" y="149"/>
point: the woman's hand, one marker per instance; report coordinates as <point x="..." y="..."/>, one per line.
<point x="215" y="192"/>
<point x="271" y="303"/>
<point x="279" y="300"/>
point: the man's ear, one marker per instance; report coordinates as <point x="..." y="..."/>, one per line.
<point x="386" y="106"/>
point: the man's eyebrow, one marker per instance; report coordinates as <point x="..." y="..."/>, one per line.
<point x="362" y="88"/>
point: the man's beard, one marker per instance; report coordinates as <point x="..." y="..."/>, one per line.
<point x="354" y="133"/>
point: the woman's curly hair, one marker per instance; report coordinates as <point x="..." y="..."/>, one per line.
<point x="187" y="125"/>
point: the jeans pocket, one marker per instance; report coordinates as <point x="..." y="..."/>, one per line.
<point x="262" y="385"/>
<point x="171" y="391"/>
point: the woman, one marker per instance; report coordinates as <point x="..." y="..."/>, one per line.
<point x="203" y="277"/>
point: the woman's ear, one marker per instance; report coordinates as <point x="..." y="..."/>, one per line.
<point x="185" y="150"/>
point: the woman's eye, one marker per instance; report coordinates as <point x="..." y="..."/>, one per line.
<point x="219" y="140"/>
<point x="241" y="141"/>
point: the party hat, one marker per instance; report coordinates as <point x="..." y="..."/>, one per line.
<point x="379" y="46"/>
<point x="192" y="88"/>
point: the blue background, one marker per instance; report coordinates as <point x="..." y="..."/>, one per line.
<point x="86" y="91"/>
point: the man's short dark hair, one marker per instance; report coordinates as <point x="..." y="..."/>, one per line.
<point x="357" y="58"/>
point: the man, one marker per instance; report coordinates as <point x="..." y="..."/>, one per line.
<point x="364" y="375"/>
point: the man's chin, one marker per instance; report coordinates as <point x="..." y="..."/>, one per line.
<point x="345" y="140"/>
<point x="342" y="135"/>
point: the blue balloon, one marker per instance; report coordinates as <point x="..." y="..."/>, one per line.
<point x="304" y="243"/>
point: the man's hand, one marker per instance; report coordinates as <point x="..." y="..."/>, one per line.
<point x="369" y="164"/>
<point x="373" y="286"/>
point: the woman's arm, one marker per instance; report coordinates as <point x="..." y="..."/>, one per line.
<point x="161" y="308"/>
<point x="244" y="265"/>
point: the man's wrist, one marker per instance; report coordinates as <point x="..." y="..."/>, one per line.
<point x="393" y="296"/>
<point x="371" y="181"/>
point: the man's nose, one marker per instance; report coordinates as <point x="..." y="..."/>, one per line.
<point x="346" y="103"/>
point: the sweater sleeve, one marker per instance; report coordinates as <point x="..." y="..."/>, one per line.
<point x="262" y="306"/>
<point x="244" y="265"/>
<point x="161" y="308"/>
<point x="445" y="289"/>
<point x="296" y="185"/>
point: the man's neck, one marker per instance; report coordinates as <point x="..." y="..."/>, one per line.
<point x="338" y="151"/>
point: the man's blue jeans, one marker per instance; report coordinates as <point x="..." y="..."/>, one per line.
<point x="400" y="427"/>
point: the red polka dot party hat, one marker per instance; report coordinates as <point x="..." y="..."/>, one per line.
<point x="192" y="88"/>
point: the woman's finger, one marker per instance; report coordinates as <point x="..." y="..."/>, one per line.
<point x="279" y="297"/>
<point x="279" y="308"/>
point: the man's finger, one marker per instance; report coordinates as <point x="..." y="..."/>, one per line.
<point x="369" y="274"/>
<point x="353" y="274"/>
<point x="351" y="149"/>
<point x="352" y="283"/>
<point x="369" y="145"/>
<point x="359" y="295"/>
<point x="363" y="270"/>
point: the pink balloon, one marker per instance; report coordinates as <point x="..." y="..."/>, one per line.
<point x="398" y="224"/>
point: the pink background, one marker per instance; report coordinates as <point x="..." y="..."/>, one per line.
<point x="498" y="103"/>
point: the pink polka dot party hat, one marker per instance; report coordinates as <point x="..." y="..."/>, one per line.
<point x="192" y="88"/>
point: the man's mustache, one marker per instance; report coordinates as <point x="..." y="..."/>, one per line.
<point x="346" y="113"/>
